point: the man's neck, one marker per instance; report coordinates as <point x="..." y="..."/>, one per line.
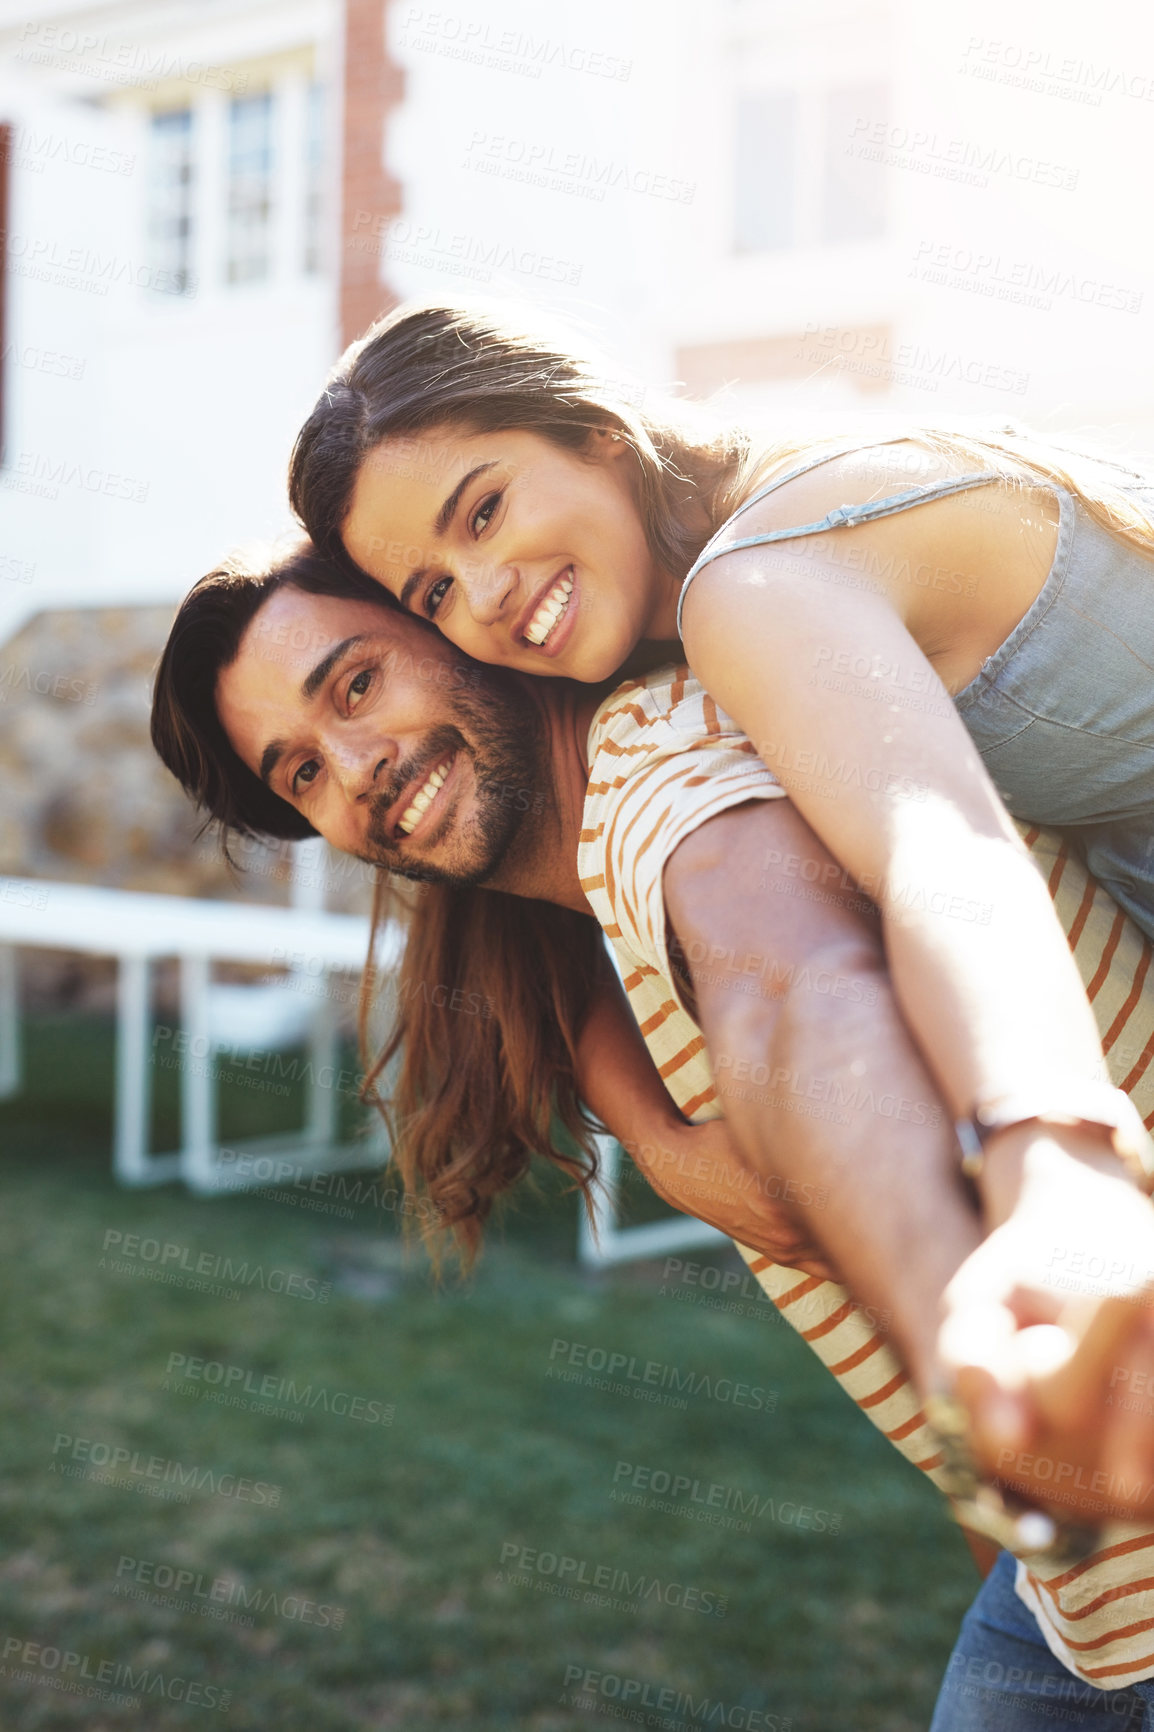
<point x="542" y="863"/>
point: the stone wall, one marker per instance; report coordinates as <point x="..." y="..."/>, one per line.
<point x="84" y="798"/>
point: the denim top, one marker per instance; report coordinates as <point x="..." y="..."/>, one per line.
<point x="1063" y="712"/>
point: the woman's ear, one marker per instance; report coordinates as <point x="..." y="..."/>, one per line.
<point x="606" y="444"/>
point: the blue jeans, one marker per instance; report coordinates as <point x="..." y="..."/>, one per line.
<point x="1003" y="1678"/>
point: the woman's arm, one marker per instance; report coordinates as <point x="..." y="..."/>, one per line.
<point x="695" y="1168"/>
<point x="820" y="669"/>
<point x="822" y="1085"/>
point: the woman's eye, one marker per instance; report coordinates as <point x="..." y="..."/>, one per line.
<point x="306" y="774"/>
<point x="359" y="685"/>
<point x="484" y="512"/>
<point x="435" y="595"/>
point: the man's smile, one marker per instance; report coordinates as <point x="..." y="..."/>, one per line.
<point x="425" y="800"/>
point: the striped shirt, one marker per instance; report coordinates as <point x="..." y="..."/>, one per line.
<point x="663" y="759"/>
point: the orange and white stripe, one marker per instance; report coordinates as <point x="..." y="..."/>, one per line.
<point x="663" y="759"/>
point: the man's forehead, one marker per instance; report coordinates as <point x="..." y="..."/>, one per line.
<point x="294" y="627"/>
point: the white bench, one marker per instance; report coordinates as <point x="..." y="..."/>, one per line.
<point x="138" y="929"/>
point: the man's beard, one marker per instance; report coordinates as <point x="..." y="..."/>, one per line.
<point x="496" y="726"/>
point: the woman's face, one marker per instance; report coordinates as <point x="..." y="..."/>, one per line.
<point x="522" y="553"/>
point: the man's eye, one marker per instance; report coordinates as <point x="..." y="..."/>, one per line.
<point x="435" y="595"/>
<point x="359" y="685"/>
<point x="307" y="773"/>
<point x="484" y="512"/>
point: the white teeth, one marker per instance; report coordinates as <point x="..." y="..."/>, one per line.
<point x="549" y="612"/>
<point x="422" y="800"/>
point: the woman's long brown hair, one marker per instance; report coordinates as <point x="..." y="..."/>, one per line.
<point x="433" y="365"/>
<point x="478" y="1070"/>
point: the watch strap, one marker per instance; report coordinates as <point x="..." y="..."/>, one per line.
<point x="1092" y="1106"/>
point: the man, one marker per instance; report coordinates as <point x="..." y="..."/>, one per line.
<point x="307" y="706"/>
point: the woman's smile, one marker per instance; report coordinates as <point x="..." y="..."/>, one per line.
<point x="552" y="618"/>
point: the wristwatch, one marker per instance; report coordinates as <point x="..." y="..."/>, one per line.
<point x="1089" y="1106"/>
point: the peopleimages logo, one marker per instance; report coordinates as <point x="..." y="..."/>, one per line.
<point x="239" y="1386"/>
<point x="98" y="56"/>
<point x="81" y="1675"/>
<point x="601" y="1584"/>
<point x="639" y="1702"/>
<point x="218" y="1597"/>
<point x="153" y="1472"/>
<point x="649" y="1380"/>
<point x="164" y="1261"/>
<point x="34" y="150"/>
<point x="717" y="1505"/>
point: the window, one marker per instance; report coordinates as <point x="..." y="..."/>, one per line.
<point x="805" y="174"/>
<point x="766" y="171"/>
<point x="250" y="165"/>
<point x="853" y="206"/>
<point x="314" y="178"/>
<point x="169" y="221"/>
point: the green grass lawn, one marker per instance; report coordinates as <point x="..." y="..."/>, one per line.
<point x="414" y="1565"/>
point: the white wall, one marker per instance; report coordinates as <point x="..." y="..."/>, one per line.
<point x="582" y="160"/>
<point x="1017" y="270"/>
<point x="656" y="273"/>
<point x="557" y="136"/>
<point x="147" y="433"/>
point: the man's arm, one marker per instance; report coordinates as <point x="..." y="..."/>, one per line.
<point x="854" y="1114"/>
<point x="694" y="1167"/>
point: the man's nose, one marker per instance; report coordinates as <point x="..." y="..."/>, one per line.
<point x="359" y="768"/>
<point x="491" y="591"/>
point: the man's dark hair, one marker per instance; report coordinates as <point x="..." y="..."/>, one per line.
<point x="204" y="640"/>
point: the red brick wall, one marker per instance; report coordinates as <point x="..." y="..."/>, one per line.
<point x="370" y="197"/>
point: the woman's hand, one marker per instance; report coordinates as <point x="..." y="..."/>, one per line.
<point x="696" y="1168"/>
<point x="1049" y="1336"/>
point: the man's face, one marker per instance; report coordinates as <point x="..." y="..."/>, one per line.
<point x="391" y="745"/>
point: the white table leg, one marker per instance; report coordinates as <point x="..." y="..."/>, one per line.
<point x="133" y="1073"/>
<point x="11" y="1068"/>
<point x="197" y="1078"/>
<point x="589" y="1251"/>
<point x="322" y="1120"/>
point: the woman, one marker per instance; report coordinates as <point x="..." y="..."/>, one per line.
<point x="504" y="489"/>
<point x="497" y="486"/>
<point x="1032" y="538"/>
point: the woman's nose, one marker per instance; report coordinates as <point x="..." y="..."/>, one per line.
<point x="490" y="591"/>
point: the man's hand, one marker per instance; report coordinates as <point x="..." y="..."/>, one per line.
<point x="696" y="1168"/>
<point x="1049" y="1337"/>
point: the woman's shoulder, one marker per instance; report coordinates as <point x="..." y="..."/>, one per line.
<point x="807" y="488"/>
<point x="864" y="497"/>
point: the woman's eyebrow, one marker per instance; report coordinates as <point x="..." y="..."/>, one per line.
<point x="445" y="515"/>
